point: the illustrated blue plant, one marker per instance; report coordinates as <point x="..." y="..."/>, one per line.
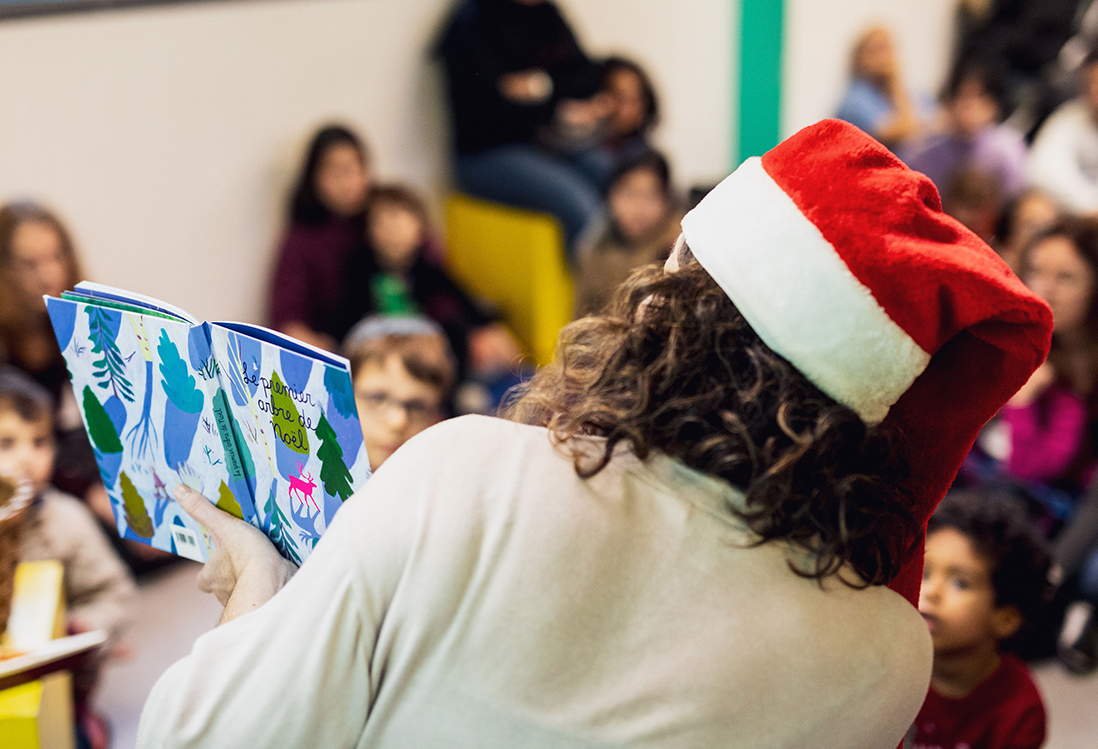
<point x="141" y="434"/>
<point x="184" y="405"/>
<point x="348" y="430"/>
<point x="110" y="367"/>
<point x="336" y="382"/>
<point x="278" y="532"/>
<point x="244" y="354"/>
<point x="295" y="370"/>
<point x="63" y="317"/>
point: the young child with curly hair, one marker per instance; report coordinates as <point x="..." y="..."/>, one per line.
<point x="983" y="579"/>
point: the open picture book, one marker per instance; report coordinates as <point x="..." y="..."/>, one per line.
<point x="262" y="424"/>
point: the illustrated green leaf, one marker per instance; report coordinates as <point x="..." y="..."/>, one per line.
<point x="285" y="418"/>
<point x="100" y="427"/>
<point x="137" y="517"/>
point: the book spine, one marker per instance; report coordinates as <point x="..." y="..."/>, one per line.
<point x="237" y="460"/>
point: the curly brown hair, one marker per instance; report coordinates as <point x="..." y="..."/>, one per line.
<point x="673" y="366"/>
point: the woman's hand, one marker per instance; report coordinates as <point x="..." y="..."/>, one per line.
<point x="527" y="87"/>
<point x="245" y="570"/>
<point x="1035" y="386"/>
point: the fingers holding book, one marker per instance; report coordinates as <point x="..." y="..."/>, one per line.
<point x="244" y="570"/>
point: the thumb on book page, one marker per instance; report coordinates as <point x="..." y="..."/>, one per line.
<point x="202" y="510"/>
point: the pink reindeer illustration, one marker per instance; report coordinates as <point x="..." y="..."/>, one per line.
<point x="303" y="484"/>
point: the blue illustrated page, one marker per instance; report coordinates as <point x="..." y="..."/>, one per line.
<point x="149" y="391"/>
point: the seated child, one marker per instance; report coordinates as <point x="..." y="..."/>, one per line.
<point x="99" y="591"/>
<point x="403" y="372"/>
<point x="983" y="579"/>
<point x="641" y="225"/>
<point x="387" y="274"/>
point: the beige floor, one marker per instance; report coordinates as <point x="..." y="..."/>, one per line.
<point x="173" y="613"/>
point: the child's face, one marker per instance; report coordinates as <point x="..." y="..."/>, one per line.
<point x="393" y="407"/>
<point x="38" y="261"/>
<point x="395" y="234"/>
<point x="957" y="598"/>
<point x="1057" y="272"/>
<point x="973" y="108"/>
<point x="627" y="95"/>
<point x="26" y="449"/>
<point x="637" y="203"/>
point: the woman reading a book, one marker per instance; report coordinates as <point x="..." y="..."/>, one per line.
<point x="690" y="528"/>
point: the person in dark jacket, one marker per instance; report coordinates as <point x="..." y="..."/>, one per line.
<point x="514" y="65"/>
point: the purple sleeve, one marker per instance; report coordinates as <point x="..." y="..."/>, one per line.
<point x="1045" y="435"/>
<point x="289" y="292"/>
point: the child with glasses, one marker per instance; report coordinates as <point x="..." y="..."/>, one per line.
<point x="403" y="372"/>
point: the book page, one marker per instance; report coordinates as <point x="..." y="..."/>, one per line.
<point x="148" y="392"/>
<point x="93" y="291"/>
<point x="296" y="418"/>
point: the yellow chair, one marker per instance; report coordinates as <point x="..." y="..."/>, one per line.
<point x="514" y="258"/>
<point x="38" y="714"/>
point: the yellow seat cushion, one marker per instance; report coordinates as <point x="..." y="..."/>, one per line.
<point x="514" y="258"/>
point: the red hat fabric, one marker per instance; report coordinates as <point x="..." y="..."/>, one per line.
<point x="841" y="259"/>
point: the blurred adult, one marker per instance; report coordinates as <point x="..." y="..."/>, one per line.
<point x="974" y="137"/>
<point x="877" y="99"/>
<point x="326" y="219"/>
<point x="513" y="66"/>
<point x="38" y="256"/>
<point x="1064" y="159"/>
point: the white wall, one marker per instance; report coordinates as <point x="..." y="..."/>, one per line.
<point x="819" y="36"/>
<point x="167" y="136"/>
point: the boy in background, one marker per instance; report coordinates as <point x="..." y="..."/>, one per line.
<point x="99" y="591"/>
<point x="403" y="373"/>
<point x="983" y="578"/>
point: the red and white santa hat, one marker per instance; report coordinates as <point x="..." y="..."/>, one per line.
<point x="841" y="259"/>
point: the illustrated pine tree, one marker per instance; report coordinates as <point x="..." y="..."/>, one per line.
<point x="333" y="469"/>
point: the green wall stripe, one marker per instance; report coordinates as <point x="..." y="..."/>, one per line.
<point x="760" y="76"/>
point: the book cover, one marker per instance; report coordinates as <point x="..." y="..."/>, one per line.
<point x="167" y="400"/>
<point x="298" y="429"/>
